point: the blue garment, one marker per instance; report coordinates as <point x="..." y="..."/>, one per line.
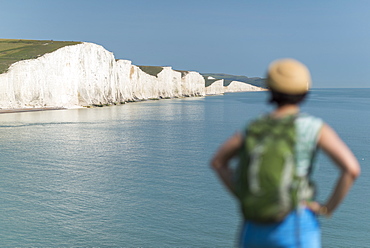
<point x="300" y="229"/>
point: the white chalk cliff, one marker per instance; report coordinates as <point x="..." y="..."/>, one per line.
<point x="218" y="87"/>
<point x="87" y="74"/>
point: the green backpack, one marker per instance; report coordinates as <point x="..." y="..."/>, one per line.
<point x="267" y="185"/>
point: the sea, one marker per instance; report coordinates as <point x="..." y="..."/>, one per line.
<point x="138" y="174"/>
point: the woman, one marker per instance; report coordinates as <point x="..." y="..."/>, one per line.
<point x="289" y="82"/>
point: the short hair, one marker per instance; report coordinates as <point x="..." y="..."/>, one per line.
<point x="282" y="99"/>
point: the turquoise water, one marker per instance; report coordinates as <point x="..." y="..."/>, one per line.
<point x="137" y="175"/>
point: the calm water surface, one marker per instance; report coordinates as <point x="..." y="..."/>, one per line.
<point x="137" y="175"/>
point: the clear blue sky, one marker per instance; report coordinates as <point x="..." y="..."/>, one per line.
<point x="239" y="37"/>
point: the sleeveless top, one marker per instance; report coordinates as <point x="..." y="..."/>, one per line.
<point x="308" y="131"/>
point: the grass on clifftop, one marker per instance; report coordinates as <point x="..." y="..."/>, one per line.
<point x="155" y="70"/>
<point x="151" y="70"/>
<point x="12" y="51"/>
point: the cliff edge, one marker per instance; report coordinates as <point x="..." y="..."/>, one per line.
<point x="86" y="74"/>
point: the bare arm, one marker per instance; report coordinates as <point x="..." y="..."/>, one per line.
<point x="220" y="161"/>
<point x="334" y="147"/>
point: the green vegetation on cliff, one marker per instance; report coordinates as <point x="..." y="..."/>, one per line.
<point x="12" y="51"/>
<point x="183" y="73"/>
<point x="155" y="70"/>
<point x="151" y="70"/>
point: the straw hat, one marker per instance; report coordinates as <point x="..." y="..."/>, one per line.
<point x="288" y="76"/>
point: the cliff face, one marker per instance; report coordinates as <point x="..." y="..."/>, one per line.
<point x="218" y="87"/>
<point x="236" y="86"/>
<point x="87" y="74"/>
